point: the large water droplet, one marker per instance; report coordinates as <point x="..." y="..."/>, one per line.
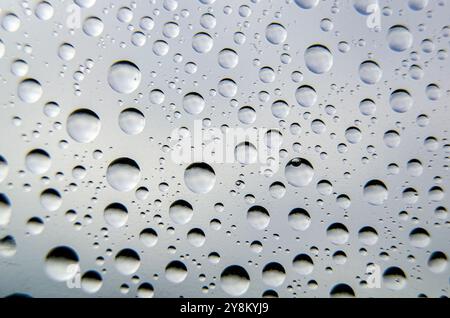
<point x="61" y="263"/>
<point x="299" y="172"/>
<point x="124" y="77"/>
<point x="123" y="174"/>
<point x="176" y="272"/>
<point x="127" y="261"/>
<point x="258" y="217"/>
<point x="83" y="125"/>
<point x="38" y="161"/>
<point x="51" y="200"/>
<point x="202" y="42"/>
<point x="394" y="278"/>
<point x="318" y="59"/>
<point x="370" y="72"/>
<point x="132" y="121"/>
<point x="30" y="91"/>
<point x="399" y="38"/>
<point x="401" y="101"/>
<point x="235" y="280"/>
<point x="5" y="210"/>
<point x="299" y="219"/>
<point x="116" y="215"/>
<point x="306" y="96"/>
<point x="375" y="192"/>
<point x="337" y="233"/>
<point x="303" y="264"/>
<point x="228" y="58"/>
<point x="193" y="103"/>
<point x="246" y="153"/>
<point x="273" y="274"/>
<point x="199" y="177"/>
<point x="276" y="33"/>
<point x="307" y="4"/>
<point x="181" y="212"/>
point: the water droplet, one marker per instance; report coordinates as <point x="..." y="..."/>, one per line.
<point x="419" y="238"/>
<point x="401" y="101"/>
<point x="306" y="96"/>
<point x="199" y="177"/>
<point x="337" y="233"/>
<point x="8" y="246"/>
<point x="145" y="290"/>
<point x="85" y="3"/>
<point x="280" y="109"/>
<point x="438" y="262"/>
<point x="51" y="200"/>
<point x="367" y="107"/>
<point x="132" y="121"/>
<point x="228" y="58"/>
<point x="273" y="274"/>
<point x="258" y="217"/>
<point x="196" y="237"/>
<point x="148" y="237"/>
<point x="11" y="22"/>
<point x="277" y="190"/>
<point x="176" y="272"/>
<point x="38" y="161"/>
<point x="124" y="77"/>
<point x="202" y="42"/>
<point x="30" y="91"/>
<point x="83" y="125"/>
<point x="127" y="261"/>
<point x="394" y="278"/>
<point x="5" y="210"/>
<point x="299" y="219"/>
<point x="193" y="103"/>
<point x="66" y="52"/>
<point x="299" y="172"/>
<point x="342" y="291"/>
<point x="123" y="174"/>
<point x="375" y="192"/>
<point x="93" y="26"/>
<point x="157" y="97"/>
<point x="91" y="282"/>
<point x="306" y="4"/>
<point x="417" y="5"/>
<point x="247" y="115"/>
<point x="276" y="33"/>
<point x="35" y="226"/>
<point x="370" y="72"/>
<point x="246" y="153"/>
<point x="181" y="212"/>
<point x="227" y="88"/>
<point x="116" y="215"/>
<point x="303" y="264"/>
<point x="368" y="235"/>
<point x="318" y="59"/>
<point x="365" y="7"/>
<point x="399" y="38"/>
<point x="234" y="280"/>
<point x="44" y="10"/>
<point x="61" y="263"/>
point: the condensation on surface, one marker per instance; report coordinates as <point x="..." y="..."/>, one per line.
<point x="354" y="96"/>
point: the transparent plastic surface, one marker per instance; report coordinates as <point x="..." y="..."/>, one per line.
<point x="209" y="148"/>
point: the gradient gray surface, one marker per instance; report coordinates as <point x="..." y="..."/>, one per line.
<point x="82" y="83"/>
